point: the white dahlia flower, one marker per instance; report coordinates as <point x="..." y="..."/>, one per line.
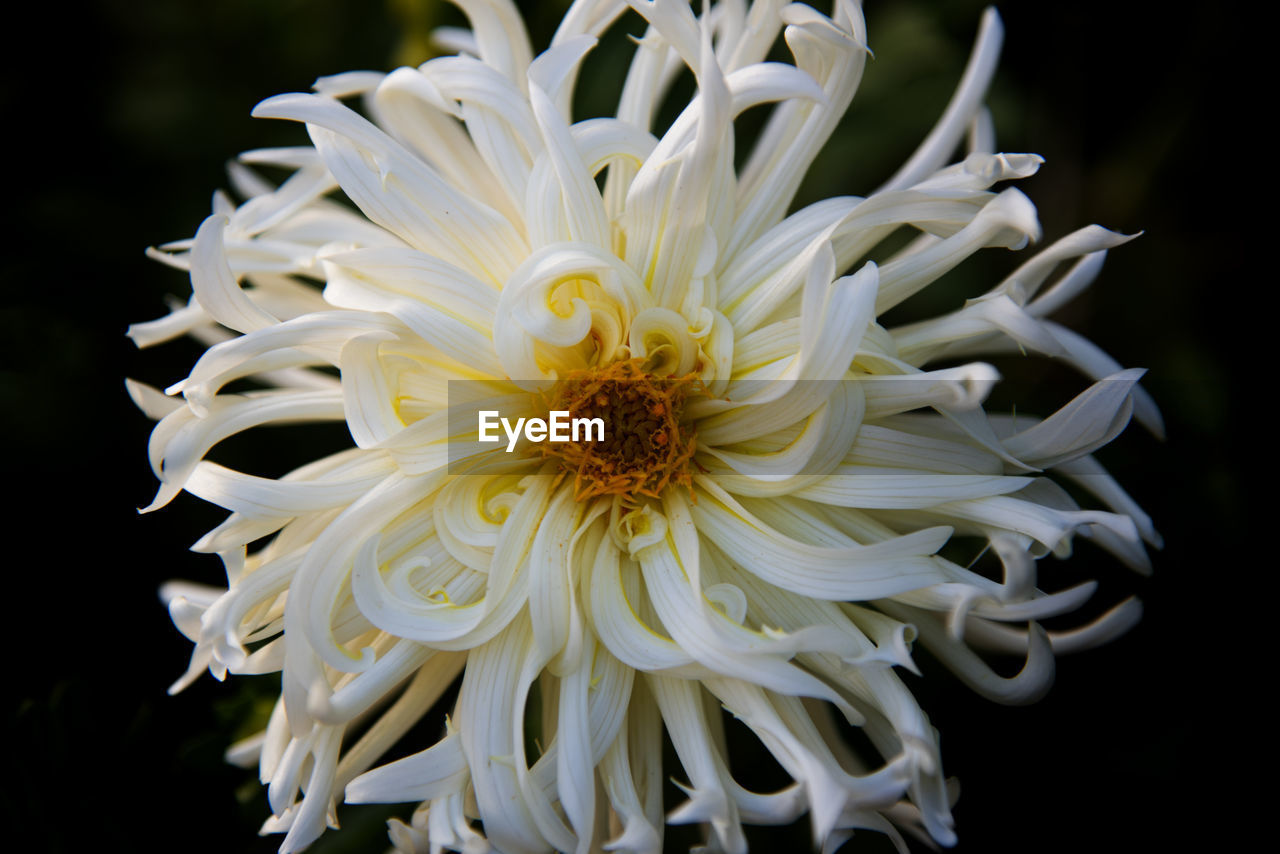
<point x="761" y="531"/>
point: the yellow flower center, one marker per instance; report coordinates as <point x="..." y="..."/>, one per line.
<point x="646" y="445"/>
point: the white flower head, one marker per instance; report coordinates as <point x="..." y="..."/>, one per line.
<point x="761" y="529"/>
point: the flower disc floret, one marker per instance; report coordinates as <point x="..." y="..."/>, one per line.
<point x="647" y="444"/>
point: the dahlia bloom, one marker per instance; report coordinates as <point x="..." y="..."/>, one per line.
<point x="762" y="531"/>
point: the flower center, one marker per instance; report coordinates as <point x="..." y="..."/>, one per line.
<point x="646" y="446"/>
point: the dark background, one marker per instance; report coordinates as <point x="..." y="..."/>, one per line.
<point x="119" y="118"/>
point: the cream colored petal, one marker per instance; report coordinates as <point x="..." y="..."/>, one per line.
<point x="685" y="719"/>
<point x="425" y="687"/>
<point x="832" y="51"/>
<point x="615" y="620"/>
<point x="418" y="777"/>
<point x="1008" y="220"/>
<point x="176" y="450"/>
<point x="497" y="115"/>
<point x="315" y="338"/>
<point x="485" y="719"/>
<point x="500" y="35"/>
<point x="1030" y="684"/>
<point x="847" y="572"/>
<point x="409" y="106"/>
<point x="1095" y="417"/>
<point x="400" y="192"/>
<point x="583" y="206"/>
<point x="215" y="287"/>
